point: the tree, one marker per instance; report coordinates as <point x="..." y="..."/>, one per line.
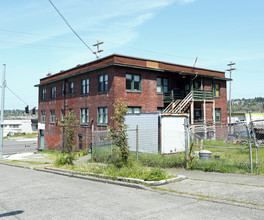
<point x="118" y="132"/>
<point x="69" y="126"/>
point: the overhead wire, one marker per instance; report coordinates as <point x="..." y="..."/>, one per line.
<point x="64" y="19"/>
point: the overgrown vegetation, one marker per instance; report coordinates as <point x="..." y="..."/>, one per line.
<point x="230" y="161"/>
<point x="118" y="133"/>
<point x="69" y="125"/>
<point x="131" y="170"/>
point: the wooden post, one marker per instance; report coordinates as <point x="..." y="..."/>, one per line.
<point x="204" y="111"/>
<point x="192" y="112"/>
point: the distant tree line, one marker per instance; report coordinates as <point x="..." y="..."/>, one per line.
<point x="255" y="104"/>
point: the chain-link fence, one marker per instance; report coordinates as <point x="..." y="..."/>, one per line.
<point x="139" y="141"/>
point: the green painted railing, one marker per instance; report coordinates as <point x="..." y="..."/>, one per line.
<point x="197" y="94"/>
<point x="203" y="94"/>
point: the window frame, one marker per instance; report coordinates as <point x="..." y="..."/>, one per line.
<point x="104" y="115"/>
<point x="133" y="108"/>
<point x="162" y="84"/>
<point x="85" y="86"/>
<point x="62" y="89"/>
<point x="53" y="92"/>
<point x="217" y="84"/>
<point x="42" y="116"/>
<point x="52" y="116"/>
<point x="103" y="85"/>
<point x="217" y="111"/>
<point x="43" y="94"/>
<point x="71" y="87"/>
<point x="85" y="115"/>
<point x="132" y="83"/>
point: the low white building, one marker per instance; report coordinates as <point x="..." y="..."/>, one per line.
<point x="15" y="125"/>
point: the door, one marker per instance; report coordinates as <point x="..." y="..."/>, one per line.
<point x="41" y="139"/>
<point x="80" y="141"/>
<point x="172" y="134"/>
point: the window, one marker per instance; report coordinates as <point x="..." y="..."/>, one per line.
<point x="84" y="115"/>
<point x="71" y="88"/>
<point x="133" y="109"/>
<point x="85" y="86"/>
<point x="43" y="116"/>
<point x="133" y="82"/>
<point x="218" y="115"/>
<point x="53" y="92"/>
<point x="102" y="115"/>
<point x="62" y="89"/>
<point x="102" y="83"/>
<point x="43" y="94"/>
<point x="62" y="114"/>
<point x="217" y="90"/>
<point x="162" y="85"/>
<point x="52" y="116"/>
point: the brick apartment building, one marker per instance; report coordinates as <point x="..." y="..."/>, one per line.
<point x="89" y="91"/>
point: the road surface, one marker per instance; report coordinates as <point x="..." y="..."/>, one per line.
<point x="29" y="194"/>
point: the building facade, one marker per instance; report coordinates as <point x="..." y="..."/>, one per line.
<point x="89" y="91"/>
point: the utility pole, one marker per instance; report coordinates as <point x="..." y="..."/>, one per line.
<point x="2" y="110"/>
<point x="230" y="71"/>
<point x="98" y="49"/>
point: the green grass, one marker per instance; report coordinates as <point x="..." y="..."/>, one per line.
<point x="33" y="135"/>
<point x="231" y="160"/>
<point x="132" y="170"/>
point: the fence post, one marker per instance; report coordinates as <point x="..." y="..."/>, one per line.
<point x="186" y="143"/>
<point x="255" y="142"/>
<point x="137" y="141"/>
<point x="250" y="150"/>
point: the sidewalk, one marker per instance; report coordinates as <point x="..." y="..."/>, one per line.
<point x="227" y="186"/>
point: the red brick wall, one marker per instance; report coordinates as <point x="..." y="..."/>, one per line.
<point x="147" y="99"/>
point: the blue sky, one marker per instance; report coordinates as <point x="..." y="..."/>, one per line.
<point x="34" y="40"/>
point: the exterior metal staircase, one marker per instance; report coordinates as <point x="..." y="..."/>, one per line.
<point x="179" y="106"/>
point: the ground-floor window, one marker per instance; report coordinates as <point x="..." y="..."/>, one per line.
<point x="102" y="115"/>
<point x="84" y="115"/>
<point x="133" y="109"/>
<point x="52" y="116"/>
<point x="218" y="115"/>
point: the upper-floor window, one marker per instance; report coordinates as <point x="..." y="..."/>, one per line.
<point x="218" y="115"/>
<point x="84" y="115"/>
<point x="43" y="94"/>
<point x="53" y="92"/>
<point x="52" y="116"/>
<point x="85" y="86"/>
<point x="102" y="83"/>
<point x="133" y="82"/>
<point x="71" y="88"/>
<point x="217" y="92"/>
<point x="62" y="89"/>
<point x="43" y="116"/>
<point x="162" y="85"/>
<point x="102" y="115"/>
<point x="133" y="109"/>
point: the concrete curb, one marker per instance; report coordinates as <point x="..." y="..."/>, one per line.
<point x="96" y="179"/>
<point x="119" y="179"/>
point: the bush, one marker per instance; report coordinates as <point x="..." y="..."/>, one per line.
<point x="63" y="159"/>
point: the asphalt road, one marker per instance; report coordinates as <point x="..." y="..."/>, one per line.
<point x="17" y="145"/>
<point x="29" y="194"/>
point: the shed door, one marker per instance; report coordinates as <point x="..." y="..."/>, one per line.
<point x="172" y="134"/>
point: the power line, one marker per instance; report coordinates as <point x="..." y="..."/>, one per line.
<point x="70" y="27"/>
<point x="16" y="95"/>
